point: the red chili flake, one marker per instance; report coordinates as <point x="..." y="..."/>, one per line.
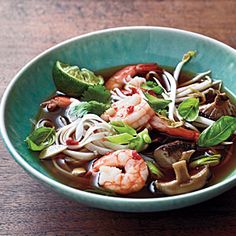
<point x="130" y="109"/>
<point x="71" y="141"/>
<point x="134" y="90"/>
<point x="136" y="156"/>
<point x="115" y="108"/>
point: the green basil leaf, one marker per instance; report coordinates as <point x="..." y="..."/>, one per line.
<point x="120" y="138"/>
<point x="189" y="108"/>
<point x="218" y="132"/>
<point x="150" y="85"/>
<point x="121" y="127"/>
<point x="41" y="138"/>
<point x="157" y="103"/>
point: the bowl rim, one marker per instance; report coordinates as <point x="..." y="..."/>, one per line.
<point x="93" y="196"/>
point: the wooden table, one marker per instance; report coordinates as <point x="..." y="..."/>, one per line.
<point x="30" y="27"/>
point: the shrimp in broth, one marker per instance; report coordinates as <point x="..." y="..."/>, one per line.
<point x="138" y="131"/>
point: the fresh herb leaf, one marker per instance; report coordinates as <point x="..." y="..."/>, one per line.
<point x="154" y="170"/>
<point x="41" y="138"/>
<point x="157" y="103"/>
<point x="120" y="138"/>
<point x="140" y="141"/>
<point x="218" y="132"/>
<point x="97" y="107"/>
<point x="212" y="160"/>
<point x="84" y="108"/>
<point x="121" y="127"/>
<point x="189" y="108"/>
<point x="97" y="93"/>
<point x="150" y="85"/>
<point x="79" y="110"/>
<point x="128" y="135"/>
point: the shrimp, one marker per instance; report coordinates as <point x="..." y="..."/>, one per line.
<point x="132" y="110"/>
<point x="57" y="102"/>
<point x="163" y="126"/>
<point x="118" y="79"/>
<point x="122" y="171"/>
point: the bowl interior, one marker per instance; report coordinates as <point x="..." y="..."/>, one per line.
<point x="103" y="50"/>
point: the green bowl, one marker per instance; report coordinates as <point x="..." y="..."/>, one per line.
<point x="99" y="50"/>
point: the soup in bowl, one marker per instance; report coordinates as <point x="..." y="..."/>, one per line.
<point x="144" y="126"/>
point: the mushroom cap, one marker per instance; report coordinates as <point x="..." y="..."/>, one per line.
<point x="184" y="183"/>
<point x="169" y="153"/>
<point x="220" y="107"/>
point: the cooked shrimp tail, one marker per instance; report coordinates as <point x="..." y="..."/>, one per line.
<point x="163" y="126"/>
<point x="118" y="79"/>
<point x="122" y="171"/>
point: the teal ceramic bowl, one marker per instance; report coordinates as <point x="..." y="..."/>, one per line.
<point x="99" y="50"/>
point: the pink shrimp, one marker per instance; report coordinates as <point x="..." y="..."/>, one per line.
<point x="111" y="176"/>
<point x="117" y="80"/>
<point x="133" y="111"/>
<point x="56" y="102"/>
<point x="163" y="126"/>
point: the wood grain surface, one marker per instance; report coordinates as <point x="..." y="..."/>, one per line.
<point x="29" y="27"/>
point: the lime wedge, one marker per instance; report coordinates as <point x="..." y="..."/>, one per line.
<point x="72" y="81"/>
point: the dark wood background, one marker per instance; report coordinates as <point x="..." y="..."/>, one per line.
<point x="29" y="27"/>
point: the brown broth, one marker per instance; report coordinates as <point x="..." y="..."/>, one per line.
<point x="89" y="182"/>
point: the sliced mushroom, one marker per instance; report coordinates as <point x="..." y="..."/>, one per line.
<point x="170" y="153"/>
<point x="220" y="107"/>
<point x="186" y="155"/>
<point x="184" y="183"/>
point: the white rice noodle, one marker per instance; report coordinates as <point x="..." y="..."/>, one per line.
<point x="101" y="150"/>
<point x="114" y="146"/>
<point x="196" y="78"/>
<point x="86" y="130"/>
<point x="172" y="94"/>
<point x="81" y="156"/>
<point x="61" y="169"/>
